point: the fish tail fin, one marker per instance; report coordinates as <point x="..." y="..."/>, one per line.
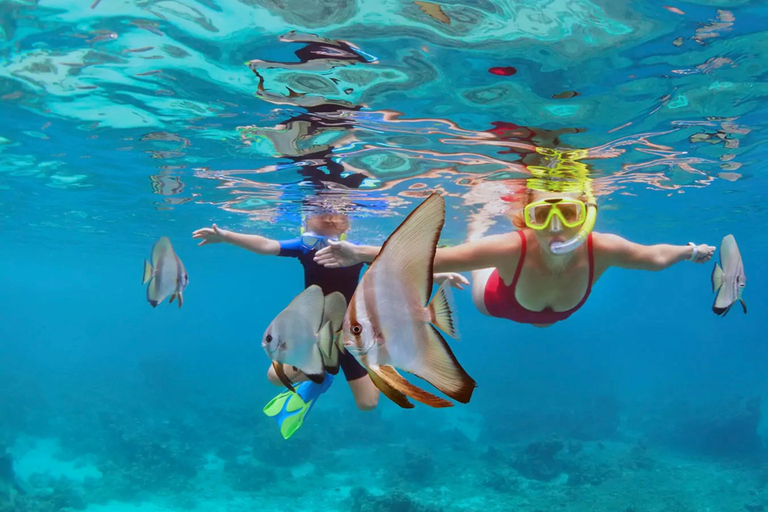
<point x="328" y="349"/>
<point x="400" y="385"/>
<point x="442" y="311"/>
<point x="334" y="307"/>
<point x="338" y="339"/>
<point x="439" y="367"/>
<point x="717" y="277"/>
<point x="148" y="272"/>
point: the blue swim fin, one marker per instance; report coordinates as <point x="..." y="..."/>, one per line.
<point x="289" y="408"/>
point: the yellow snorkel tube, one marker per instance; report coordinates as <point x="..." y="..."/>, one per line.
<point x="586" y="228"/>
<point x="566" y="174"/>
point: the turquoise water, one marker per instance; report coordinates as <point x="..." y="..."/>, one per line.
<point x="123" y="121"/>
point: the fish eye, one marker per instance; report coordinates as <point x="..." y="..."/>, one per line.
<point x="742" y="285"/>
<point x="356" y="329"/>
<point x="269" y="338"/>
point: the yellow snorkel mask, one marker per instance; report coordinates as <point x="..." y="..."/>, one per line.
<point x="567" y="175"/>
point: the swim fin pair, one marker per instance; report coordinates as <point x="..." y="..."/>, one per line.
<point x="289" y="408"/>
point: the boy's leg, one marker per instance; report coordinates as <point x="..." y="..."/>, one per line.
<point x="294" y="376"/>
<point x="365" y="392"/>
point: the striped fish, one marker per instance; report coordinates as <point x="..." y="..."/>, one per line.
<point x="303" y="335"/>
<point x="390" y="322"/>
<point x="166" y="274"/>
<point x="729" y="280"/>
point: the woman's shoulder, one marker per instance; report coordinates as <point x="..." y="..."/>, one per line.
<point x="607" y="241"/>
<point x="509" y="240"/>
<point x="609" y="248"/>
<point x="500" y="249"/>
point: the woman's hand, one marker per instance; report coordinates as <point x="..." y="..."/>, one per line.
<point x="338" y="254"/>
<point x="704" y="253"/>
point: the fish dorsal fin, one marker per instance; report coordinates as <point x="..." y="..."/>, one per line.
<point x="334" y="307"/>
<point x="410" y="249"/>
<point x="442" y="311"/>
<point x="717" y="278"/>
<point x="309" y="304"/>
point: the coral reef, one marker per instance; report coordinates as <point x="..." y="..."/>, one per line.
<point x="51" y="495"/>
<point x="594" y="419"/>
<point x="417" y="467"/>
<point x="723" y="428"/>
<point x="537" y="460"/>
<point x="249" y="476"/>
<point x="398" y="501"/>
<point x="147" y="456"/>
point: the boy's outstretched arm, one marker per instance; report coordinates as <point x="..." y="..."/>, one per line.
<point x="255" y="243"/>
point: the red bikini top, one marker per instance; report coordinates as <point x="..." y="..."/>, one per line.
<point x="500" y="300"/>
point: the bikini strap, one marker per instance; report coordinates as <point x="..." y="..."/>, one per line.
<point x="591" y="263"/>
<point x="520" y="261"/>
<point x="591" y="273"/>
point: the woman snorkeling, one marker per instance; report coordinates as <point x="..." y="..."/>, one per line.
<point x="544" y="271"/>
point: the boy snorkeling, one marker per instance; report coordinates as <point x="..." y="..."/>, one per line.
<point x="288" y="408"/>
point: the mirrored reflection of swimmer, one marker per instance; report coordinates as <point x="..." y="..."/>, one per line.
<point x="310" y="138"/>
<point x="298" y="140"/>
<point x="530" y="136"/>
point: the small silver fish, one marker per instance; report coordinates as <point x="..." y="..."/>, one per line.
<point x="390" y="322"/>
<point x="729" y="280"/>
<point x="166" y="274"/>
<point x="303" y="335"/>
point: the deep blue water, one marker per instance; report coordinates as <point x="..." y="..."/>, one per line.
<point x="644" y="379"/>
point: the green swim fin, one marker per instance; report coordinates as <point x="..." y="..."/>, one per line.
<point x="289" y="408"/>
